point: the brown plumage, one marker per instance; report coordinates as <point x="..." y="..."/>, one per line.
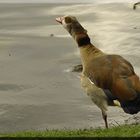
<point x="107" y="79"/>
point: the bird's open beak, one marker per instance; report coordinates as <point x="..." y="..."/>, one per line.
<point x="59" y="19"/>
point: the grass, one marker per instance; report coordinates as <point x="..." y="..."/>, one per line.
<point x="120" y="131"/>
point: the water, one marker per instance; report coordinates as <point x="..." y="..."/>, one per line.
<point x="65" y="1"/>
<point x="36" y="91"/>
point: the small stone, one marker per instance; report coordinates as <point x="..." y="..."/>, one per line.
<point x="77" y="68"/>
<point x="51" y="35"/>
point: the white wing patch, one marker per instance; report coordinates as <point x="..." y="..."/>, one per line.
<point x="96" y="94"/>
<point x="91" y="81"/>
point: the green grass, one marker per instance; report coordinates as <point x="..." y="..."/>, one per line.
<point x="121" y="131"/>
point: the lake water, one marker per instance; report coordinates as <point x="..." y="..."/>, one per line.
<point x="36" y="89"/>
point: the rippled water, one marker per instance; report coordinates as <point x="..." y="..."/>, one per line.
<point x="35" y="52"/>
<point x="113" y="28"/>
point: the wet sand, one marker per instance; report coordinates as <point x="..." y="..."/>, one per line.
<point x="37" y="91"/>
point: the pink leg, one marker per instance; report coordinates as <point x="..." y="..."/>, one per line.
<point x="104" y="115"/>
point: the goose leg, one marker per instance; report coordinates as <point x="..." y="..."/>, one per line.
<point x="104" y="115"/>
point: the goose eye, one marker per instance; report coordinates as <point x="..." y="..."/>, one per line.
<point x="68" y="20"/>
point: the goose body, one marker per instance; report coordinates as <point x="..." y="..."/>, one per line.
<point x="108" y="79"/>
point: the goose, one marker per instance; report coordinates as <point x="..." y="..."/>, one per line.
<point x="135" y="5"/>
<point x="108" y="79"/>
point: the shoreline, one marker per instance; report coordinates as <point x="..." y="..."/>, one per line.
<point x="36" y="91"/>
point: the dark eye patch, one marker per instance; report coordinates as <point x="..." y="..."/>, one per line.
<point x="68" y="20"/>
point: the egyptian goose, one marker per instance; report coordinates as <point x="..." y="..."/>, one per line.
<point x="108" y="79"/>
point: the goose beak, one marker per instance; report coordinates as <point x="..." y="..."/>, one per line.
<point x="59" y="20"/>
